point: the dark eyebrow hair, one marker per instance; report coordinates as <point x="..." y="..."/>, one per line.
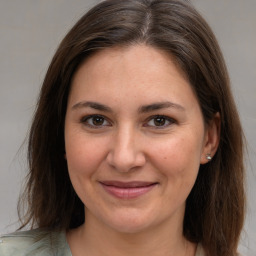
<point x="142" y="109"/>
<point x="160" y="105"/>
<point x="91" y="104"/>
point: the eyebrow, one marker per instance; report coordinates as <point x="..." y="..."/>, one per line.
<point x="91" y="104"/>
<point x="160" y="105"/>
<point x="142" y="109"/>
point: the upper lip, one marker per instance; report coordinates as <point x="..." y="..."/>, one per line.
<point x="130" y="184"/>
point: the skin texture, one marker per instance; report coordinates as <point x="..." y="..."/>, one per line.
<point x="131" y="139"/>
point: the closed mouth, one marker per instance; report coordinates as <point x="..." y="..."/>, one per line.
<point x="127" y="190"/>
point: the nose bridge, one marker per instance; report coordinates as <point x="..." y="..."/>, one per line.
<point x="126" y="153"/>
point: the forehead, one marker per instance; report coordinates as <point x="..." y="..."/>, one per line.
<point x="131" y="54"/>
<point x="134" y="71"/>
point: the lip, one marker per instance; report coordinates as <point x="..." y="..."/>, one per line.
<point x="127" y="190"/>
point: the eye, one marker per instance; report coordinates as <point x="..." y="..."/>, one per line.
<point x="95" y="121"/>
<point x="160" y="121"/>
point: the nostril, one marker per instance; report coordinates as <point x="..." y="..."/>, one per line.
<point x="125" y="152"/>
<point x="125" y="161"/>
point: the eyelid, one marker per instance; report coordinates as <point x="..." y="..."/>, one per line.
<point x="84" y="120"/>
<point x="171" y="120"/>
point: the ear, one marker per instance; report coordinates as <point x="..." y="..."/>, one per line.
<point x="211" y="139"/>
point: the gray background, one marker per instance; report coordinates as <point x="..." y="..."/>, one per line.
<point x="30" y="31"/>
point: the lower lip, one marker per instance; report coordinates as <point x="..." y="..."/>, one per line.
<point x="127" y="193"/>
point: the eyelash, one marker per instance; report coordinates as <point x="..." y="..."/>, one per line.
<point x="165" y="118"/>
<point x="87" y="119"/>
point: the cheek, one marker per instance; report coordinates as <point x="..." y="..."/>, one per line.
<point x="83" y="155"/>
<point x="178" y="156"/>
<point x="83" y="159"/>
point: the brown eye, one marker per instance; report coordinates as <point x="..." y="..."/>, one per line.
<point x="159" y="121"/>
<point x="95" y="121"/>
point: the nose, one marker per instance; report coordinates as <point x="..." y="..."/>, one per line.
<point x="126" y="151"/>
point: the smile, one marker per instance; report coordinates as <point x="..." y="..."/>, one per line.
<point x="127" y="190"/>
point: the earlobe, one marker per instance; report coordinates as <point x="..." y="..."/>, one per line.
<point x="211" y="140"/>
<point x="208" y="157"/>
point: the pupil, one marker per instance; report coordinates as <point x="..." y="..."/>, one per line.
<point x="98" y="120"/>
<point x="159" y="121"/>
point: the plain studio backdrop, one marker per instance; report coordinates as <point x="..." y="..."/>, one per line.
<point x="30" y="31"/>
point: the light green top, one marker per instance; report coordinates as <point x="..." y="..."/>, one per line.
<point x="39" y="242"/>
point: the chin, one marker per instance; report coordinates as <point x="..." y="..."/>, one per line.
<point x="129" y="228"/>
<point x="131" y="224"/>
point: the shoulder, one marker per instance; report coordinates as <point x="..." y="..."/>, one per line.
<point x="199" y="250"/>
<point x="38" y="242"/>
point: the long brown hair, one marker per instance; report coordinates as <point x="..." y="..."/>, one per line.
<point x="215" y="207"/>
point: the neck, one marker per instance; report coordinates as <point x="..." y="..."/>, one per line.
<point x="96" y="239"/>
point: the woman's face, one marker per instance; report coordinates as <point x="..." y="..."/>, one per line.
<point x="134" y="137"/>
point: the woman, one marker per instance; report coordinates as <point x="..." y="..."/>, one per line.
<point x="136" y="145"/>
